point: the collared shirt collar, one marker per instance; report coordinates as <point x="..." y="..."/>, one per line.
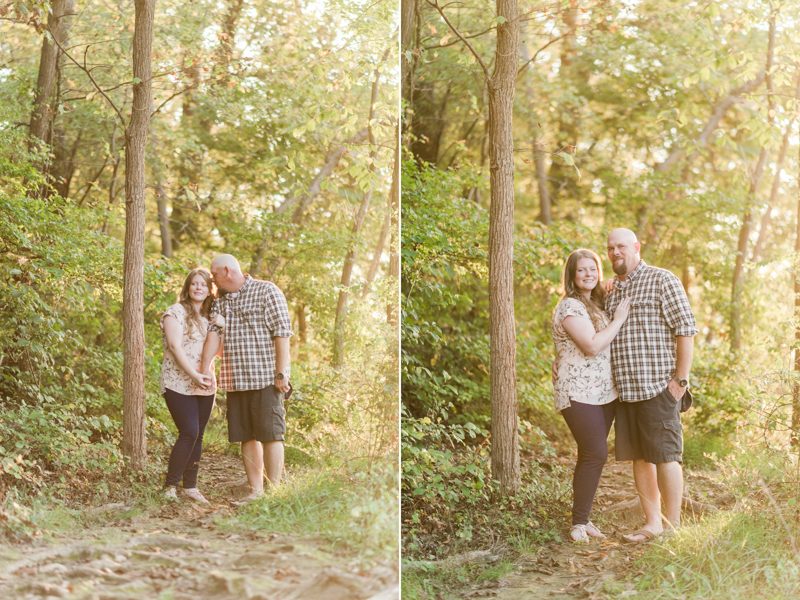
<point x="631" y="276"/>
<point x="234" y="295"/>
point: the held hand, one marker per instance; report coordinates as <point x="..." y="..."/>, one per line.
<point x="609" y="285"/>
<point x="219" y="321"/>
<point x="676" y="389"/>
<point x="622" y="310"/>
<point x="282" y="385"/>
<point x="201" y="380"/>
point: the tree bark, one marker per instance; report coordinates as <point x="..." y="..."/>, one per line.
<point x="350" y="259"/>
<point x="796" y="388"/>
<point x="737" y="281"/>
<point x="408" y="11"/>
<point x="134" y="444"/>
<point x="45" y="82"/>
<point x="161" y="198"/>
<point x="776" y="182"/>
<point x="45" y="100"/>
<point x="392" y="306"/>
<point x="376" y="257"/>
<point x="501" y="87"/>
<point x="545" y="207"/>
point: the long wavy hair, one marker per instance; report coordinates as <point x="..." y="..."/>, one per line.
<point x="192" y="318"/>
<point x="596" y="303"/>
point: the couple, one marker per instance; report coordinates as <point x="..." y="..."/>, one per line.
<point x="624" y="355"/>
<point x="249" y="326"/>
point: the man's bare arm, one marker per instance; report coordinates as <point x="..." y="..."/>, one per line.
<point x="210" y="350"/>
<point x="685" y="354"/>
<point x="282" y="363"/>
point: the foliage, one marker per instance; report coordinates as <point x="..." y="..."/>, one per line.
<point x="449" y="501"/>
<point x="250" y="100"/>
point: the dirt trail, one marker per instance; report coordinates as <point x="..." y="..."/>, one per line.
<point x="588" y="570"/>
<point x="177" y="552"/>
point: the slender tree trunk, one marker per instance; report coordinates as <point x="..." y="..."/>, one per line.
<point x="393" y="304"/>
<point x="408" y="11"/>
<point x="796" y="388"/>
<point x="545" y="208"/>
<point x="501" y="86"/>
<point x="45" y="82"/>
<point x="45" y="100"/>
<point x="737" y="282"/>
<point x="161" y="198"/>
<point x="350" y="259"/>
<point x="376" y="257"/>
<point x="134" y="444"/>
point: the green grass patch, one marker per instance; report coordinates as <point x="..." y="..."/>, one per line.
<point x="745" y="554"/>
<point x="356" y="511"/>
<point x="446" y="579"/>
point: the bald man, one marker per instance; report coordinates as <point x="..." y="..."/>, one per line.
<point x="255" y="367"/>
<point x="650" y="358"/>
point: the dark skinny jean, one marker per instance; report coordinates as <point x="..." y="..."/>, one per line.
<point x="590" y="425"/>
<point x="191" y="414"/>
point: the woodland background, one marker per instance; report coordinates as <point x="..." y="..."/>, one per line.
<point x="676" y="119"/>
<point x="273" y="137"/>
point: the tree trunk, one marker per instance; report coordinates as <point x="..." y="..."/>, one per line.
<point x="134" y="434"/>
<point x="45" y="82"/>
<point x="46" y="94"/>
<point x="737" y="281"/>
<point x="350" y="259"/>
<point x="720" y="110"/>
<point x="393" y="304"/>
<point x="161" y="198"/>
<point x="545" y="209"/>
<point x="408" y="11"/>
<point x="796" y="387"/>
<point x="376" y="257"/>
<point x="501" y="86"/>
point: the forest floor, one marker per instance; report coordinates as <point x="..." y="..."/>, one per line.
<point x="184" y="550"/>
<point x="596" y="570"/>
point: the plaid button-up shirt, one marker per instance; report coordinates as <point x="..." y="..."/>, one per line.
<point x="254" y="315"/>
<point x="644" y="353"/>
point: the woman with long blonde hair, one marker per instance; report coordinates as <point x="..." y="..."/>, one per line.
<point x="584" y="388"/>
<point x="188" y="393"/>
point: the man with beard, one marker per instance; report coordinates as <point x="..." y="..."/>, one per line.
<point x="650" y="359"/>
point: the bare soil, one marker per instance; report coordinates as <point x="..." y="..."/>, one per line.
<point x="587" y="570"/>
<point x="178" y="552"/>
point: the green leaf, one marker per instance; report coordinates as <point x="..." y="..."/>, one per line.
<point x="500" y="20"/>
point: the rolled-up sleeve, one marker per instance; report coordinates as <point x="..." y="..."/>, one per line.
<point x="676" y="308"/>
<point x="277" y="313"/>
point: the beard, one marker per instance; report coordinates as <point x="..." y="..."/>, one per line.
<point x="621" y="268"/>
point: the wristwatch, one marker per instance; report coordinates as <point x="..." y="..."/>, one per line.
<point x="278" y="375"/>
<point x="682" y="382"/>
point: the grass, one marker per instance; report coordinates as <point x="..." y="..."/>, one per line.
<point x="352" y="511"/>
<point x="446" y="580"/>
<point x="744" y="554"/>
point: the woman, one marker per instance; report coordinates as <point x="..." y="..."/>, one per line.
<point x="188" y="393"/>
<point x="584" y="389"/>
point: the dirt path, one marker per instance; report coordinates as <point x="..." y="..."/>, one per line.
<point x="178" y="552"/>
<point x="589" y="570"/>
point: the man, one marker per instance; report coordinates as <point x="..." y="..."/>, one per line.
<point x="650" y="358"/>
<point x="255" y="367"/>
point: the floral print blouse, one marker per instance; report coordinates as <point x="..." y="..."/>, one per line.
<point x="581" y="378"/>
<point x="173" y="377"/>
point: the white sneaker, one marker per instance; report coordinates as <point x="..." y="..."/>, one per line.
<point x="195" y="495"/>
<point x="171" y="493"/>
